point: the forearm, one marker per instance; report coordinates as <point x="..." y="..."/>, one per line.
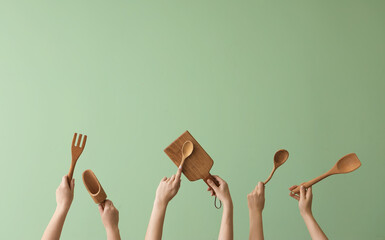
<point x="155" y="226"/>
<point x="226" y="230"/>
<point x="256" y="226"/>
<point x="315" y="230"/>
<point x="113" y="233"/>
<point x="55" y="226"/>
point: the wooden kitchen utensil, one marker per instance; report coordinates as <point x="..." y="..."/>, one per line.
<point x="76" y="151"/>
<point x="198" y="164"/>
<point x="346" y="164"/>
<point x="280" y="158"/>
<point x="187" y="149"/>
<point x="93" y="186"/>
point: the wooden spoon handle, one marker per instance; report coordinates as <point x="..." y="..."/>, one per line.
<point x="271" y="175"/>
<point x="312" y="182"/>
<point x="182" y="162"/>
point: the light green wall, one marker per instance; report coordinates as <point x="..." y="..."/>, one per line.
<point x="245" y="77"/>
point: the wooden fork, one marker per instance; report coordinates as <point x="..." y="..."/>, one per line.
<point x="76" y="152"/>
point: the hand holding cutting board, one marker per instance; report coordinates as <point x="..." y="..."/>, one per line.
<point x="197" y="165"/>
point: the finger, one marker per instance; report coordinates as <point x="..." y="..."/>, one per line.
<point x="169" y="179"/>
<point x="72" y="185"/>
<point x="107" y="204"/>
<point x="309" y="192"/>
<point x="294" y="196"/>
<point x="260" y="187"/>
<point x="164" y="179"/>
<point x="293" y="187"/>
<point x="179" y="173"/>
<point x="212" y="185"/>
<point x="219" y="179"/>
<point x="64" y="180"/>
<point x="172" y="178"/>
<point x="101" y="208"/>
<point x="302" y="193"/>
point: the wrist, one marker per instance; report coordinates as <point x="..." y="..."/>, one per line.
<point x="255" y="212"/>
<point x="306" y="214"/>
<point x="228" y="203"/>
<point x="160" y="203"/>
<point x="113" y="232"/>
<point x="61" y="209"/>
<point x="112" y="229"/>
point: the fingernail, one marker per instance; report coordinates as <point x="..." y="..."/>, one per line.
<point x="302" y="187"/>
<point x="180" y="166"/>
<point x="209" y="181"/>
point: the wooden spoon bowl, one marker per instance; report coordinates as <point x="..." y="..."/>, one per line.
<point x="93" y="186"/>
<point x="280" y="158"/>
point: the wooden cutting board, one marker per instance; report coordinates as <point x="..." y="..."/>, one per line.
<point x="197" y="165"/>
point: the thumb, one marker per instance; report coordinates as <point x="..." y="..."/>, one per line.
<point x="72" y="185"/>
<point x="309" y="192"/>
<point x="212" y="184"/>
<point x="302" y="193"/>
<point x="107" y="204"/>
<point x="101" y="208"/>
<point x="64" y="180"/>
<point x="261" y="187"/>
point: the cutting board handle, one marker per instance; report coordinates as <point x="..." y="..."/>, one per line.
<point x="217" y="184"/>
<point x="212" y="179"/>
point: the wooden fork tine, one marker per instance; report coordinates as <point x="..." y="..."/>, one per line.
<point x="84" y="141"/>
<point x="79" y="140"/>
<point x="74" y="139"/>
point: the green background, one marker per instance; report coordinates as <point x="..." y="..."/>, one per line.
<point x="246" y="78"/>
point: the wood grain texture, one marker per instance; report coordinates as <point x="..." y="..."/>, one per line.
<point x="76" y="151"/>
<point x="93" y="186"/>
<point x="197" y="165"/>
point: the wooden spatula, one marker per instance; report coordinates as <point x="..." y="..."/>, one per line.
<point x="346" y="164"/>
<point x="76" y="151"/>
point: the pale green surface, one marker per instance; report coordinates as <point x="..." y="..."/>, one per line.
<point x="245" y="77"/>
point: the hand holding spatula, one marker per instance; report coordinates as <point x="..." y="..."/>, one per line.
<point x="346" y="164"/>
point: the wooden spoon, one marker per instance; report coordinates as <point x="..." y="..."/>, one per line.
<point x="187" y="149"/>
<point x="280" y="158"/>
<point x="93" y="186"/>
<point x="346" y="164"/>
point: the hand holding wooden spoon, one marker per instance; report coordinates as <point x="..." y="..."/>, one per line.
<point x="346" y="164"/>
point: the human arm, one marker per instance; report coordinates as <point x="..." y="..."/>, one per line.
<point x="64" y="197"/>
<point x="305" y="199"/>
<point x="167" y="189"/>
<point x="223" y="193"/>
<point x="256" y="203"/>
<point x="110" y="219"/>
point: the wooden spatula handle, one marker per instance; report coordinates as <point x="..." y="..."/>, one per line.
<point x="312" y="182"/>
